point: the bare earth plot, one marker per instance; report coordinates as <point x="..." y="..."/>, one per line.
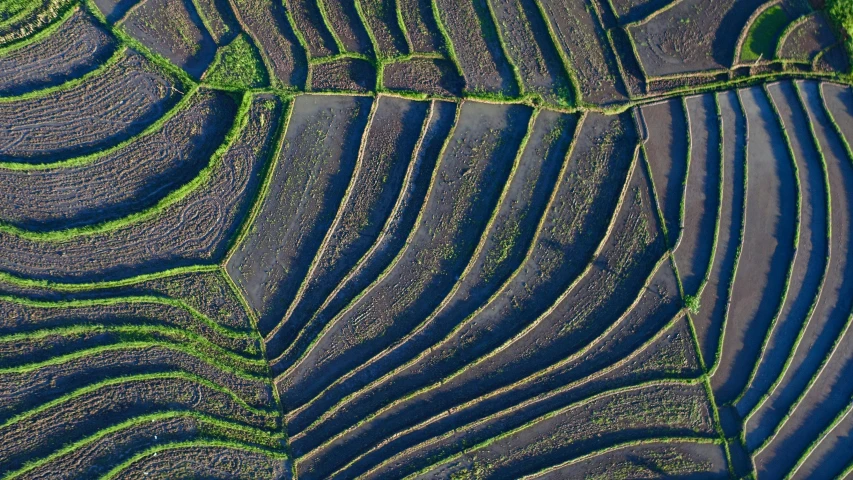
<point x="433" y="239"/>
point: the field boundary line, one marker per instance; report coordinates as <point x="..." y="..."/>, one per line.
<point x="339" y="211"/>
<point x="138" y="420"/>
<point x="116" y="471"/>
<point x="336" y="318"/>
<point x="405" y="190"/>
<point x="484" y="236"/>
<point x="797" y="224"/>
<point x="509" y="342"/>
<point x="537" y="375"/>
<point x="551" y="414"/>
<point x="491" y="299"/>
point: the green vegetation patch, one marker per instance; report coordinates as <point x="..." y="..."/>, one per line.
<point x="764" y="34"/>
<point x="238" y="65"/>
<point x="841" y="14"/>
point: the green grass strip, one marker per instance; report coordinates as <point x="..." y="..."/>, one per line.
<point x="135" y="299"/>
<point x="147" y="332"/>
<point x="84" y="287"/>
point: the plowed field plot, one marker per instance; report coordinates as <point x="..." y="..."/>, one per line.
<point x="173" y="29"/>
<point x="432" y="239"/>
<point x="346" y="24"/>
<point x="692" y="36"/>
<point x="578" y="32"/>
<point x="113" y="104"/>
<point x="73" y="49"/>
<point x="806" y="39"/>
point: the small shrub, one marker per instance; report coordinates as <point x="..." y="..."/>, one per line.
<point x="692" y="303"/>
<point x="238" y="64"/>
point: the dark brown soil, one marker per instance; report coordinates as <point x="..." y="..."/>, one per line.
<point x="344" y="75"/>
<point x="73" y="50"/>
<point x="701" y="197"/>
<point x="584" y="42"/>
<point x="419" y="19"/>
<point x="308" y="183"/>
<point x="400" y="225"/>
<point x="768" y="245"/>
<point x="194" y="230"/>
<point x="214" y="463"/>
<point x="666" y="151"/>
<point x="808" y="39"/>
<point x="812" y="249"/>
<point x="470" y="180"/>
<point x="693" y="36"/>
<point x="431" y="76"/>
<point x="381" y="18"/>
<point x="481" y="59"/>
<point x="123" y="182"/>
<point x="267" y="23"/>
<point x="716" y="295"/>
<point x="343" y="16"/>
<point x="387" y="152"/>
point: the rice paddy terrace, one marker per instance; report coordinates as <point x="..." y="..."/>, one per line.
<point x="462" y="239"/>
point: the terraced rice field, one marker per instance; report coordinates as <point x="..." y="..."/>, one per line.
<point x="469" y="239"/>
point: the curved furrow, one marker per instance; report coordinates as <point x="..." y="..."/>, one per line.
<point x="112" y="446"/>
<point x="394" y="240"/>
<point x="694" y="255"/>
<point x="678" y="457"/>
<point x="309" y="180"/>
<point x="667" y="354"/>
<point x="817" y="343"/>
<point x="29" y="385"/>
<point x="621" y="344"/>
<point x="710" y="318"/>
<point x="605" y="166"/>
<point x="117" y="101"/>
<point x="22" y="316"/>
<point x="470" y="180"/>
<point x="211" y="459"/>
<point x="85" y="411"/>
<point x="131" y="179"/>
<point x="563" y="329"/>
<point x="828" y="455"/>
<point x="191" y="225"/>
<point x="826" y="392"/>
<point x="811" y="263"/>
<point x="769" y="245"/>
<point x="650" y="410"/>
<point x="173" y="29"/>
<point x="501" y="251"/>
<point x="26" y="19"/>
<point x="74" y="47"/>
<point x="205" y="288"/>
<point x="389" y="148"/>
